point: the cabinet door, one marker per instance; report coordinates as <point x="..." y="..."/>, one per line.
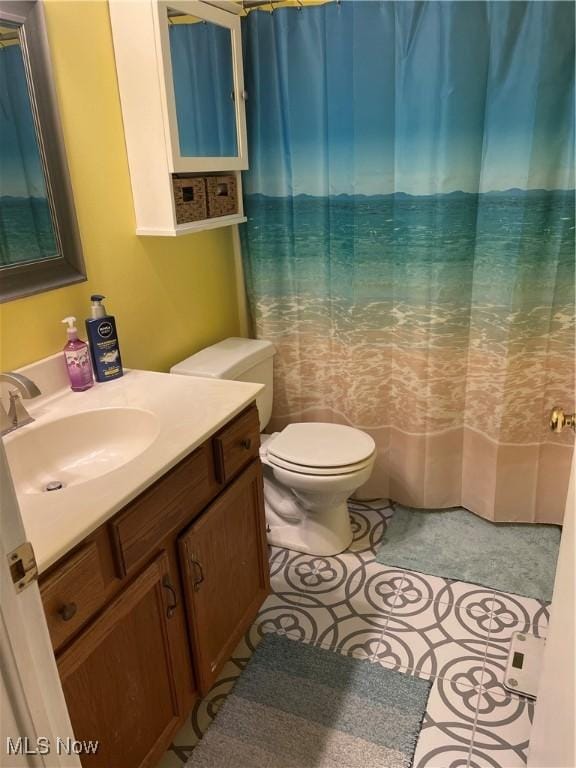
<point x="119" y="677"/>
<point x="225" y="568"/>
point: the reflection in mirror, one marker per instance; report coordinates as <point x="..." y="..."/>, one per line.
<point x="201" y="56"/>
<point x="40" y="246"/>
<point x="27" y="231"/>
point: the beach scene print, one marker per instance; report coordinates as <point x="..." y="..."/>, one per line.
<point x="412" y="258"/>
<point x="444" y="312"/>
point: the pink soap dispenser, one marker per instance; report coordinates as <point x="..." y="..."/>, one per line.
<point x="77" y="357"/>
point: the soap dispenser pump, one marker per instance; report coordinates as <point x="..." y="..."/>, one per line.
<point x="77" y="358"/>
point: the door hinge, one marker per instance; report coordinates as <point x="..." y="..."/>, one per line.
<point x="23" y="568"/>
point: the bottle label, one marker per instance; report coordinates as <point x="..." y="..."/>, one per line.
<point x="78" y="359"/>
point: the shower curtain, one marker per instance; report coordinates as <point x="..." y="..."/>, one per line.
<point x="410" y="239"/>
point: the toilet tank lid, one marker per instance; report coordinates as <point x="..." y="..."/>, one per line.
<point x="227" y="359"/>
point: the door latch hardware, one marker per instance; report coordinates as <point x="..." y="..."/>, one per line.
<point x="23" y="568"/>
<point x="560" y="420"/>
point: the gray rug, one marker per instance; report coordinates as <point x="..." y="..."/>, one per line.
<point x="457" y="544"/>
<point x="300" y="706"/>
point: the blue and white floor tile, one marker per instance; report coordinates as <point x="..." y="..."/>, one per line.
<point x="451" y="632"/>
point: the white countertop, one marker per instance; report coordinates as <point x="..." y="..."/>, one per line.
<point x="189" y="410"/>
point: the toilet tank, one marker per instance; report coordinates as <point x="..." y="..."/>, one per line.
<point x="238" y="360"/>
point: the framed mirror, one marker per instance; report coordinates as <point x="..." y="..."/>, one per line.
<point x="40" y="246"/>
<point x="204" y="86"/>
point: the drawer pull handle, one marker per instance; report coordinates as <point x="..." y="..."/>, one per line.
<point x="197" y="581"/>
<point x="246" y="443"/>
<point x="68" y="611"/>
<point x="171" y="609"/>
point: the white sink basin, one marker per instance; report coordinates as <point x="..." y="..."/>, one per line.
<point x="79" y="447"/>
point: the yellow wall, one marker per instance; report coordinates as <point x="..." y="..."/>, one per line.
<point x="170" y="296"/>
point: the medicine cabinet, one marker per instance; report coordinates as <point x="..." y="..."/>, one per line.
<point x="181" y="83"/>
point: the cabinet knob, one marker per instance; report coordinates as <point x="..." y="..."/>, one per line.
<point x="246" y="443"/>
<point x="67" y="611"/>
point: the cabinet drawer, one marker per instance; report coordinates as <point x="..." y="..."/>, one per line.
<point x="237" y="445"/>
<point x="73" y="592"/>
<point x="169" y="503"/>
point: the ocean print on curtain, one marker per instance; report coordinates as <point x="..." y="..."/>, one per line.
<point x="410" y="238"/>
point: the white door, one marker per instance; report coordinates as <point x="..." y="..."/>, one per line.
<point x="31" y="699"/>
<point x="552" y="740"/>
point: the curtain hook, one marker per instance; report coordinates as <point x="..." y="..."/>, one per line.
<point x="300" y="4"/>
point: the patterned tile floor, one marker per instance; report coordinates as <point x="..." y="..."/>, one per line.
<point x="454" y="633"/>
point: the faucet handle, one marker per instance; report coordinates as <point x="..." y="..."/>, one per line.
<point x="6" y="424"/>
<point x="17" y="413"/>
<point x="14" y="396"/>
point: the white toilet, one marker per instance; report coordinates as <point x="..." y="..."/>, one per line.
<point x="310" y="469"/>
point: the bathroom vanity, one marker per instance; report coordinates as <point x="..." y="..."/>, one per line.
<point x="145" y="611"/>
<point x="152" y="555"/>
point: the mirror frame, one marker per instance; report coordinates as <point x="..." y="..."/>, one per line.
<point x="33" y="277"/>
<point x="229" y="20"/>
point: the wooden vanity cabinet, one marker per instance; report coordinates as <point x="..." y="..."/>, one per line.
<point x="145" y="612"/>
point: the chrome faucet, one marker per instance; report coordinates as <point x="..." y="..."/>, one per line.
<point x="17" y="414"/>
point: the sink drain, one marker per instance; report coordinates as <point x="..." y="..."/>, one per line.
<point x="54" y="485"/>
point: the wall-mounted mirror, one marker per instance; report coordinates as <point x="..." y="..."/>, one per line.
<point x="203" y="86"/>
<point x="39" y="243"/>
<point x="203" y="77"/>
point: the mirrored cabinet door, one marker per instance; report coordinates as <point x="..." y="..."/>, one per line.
<point x="204" y="86"/>
<point x="203" y="79"/>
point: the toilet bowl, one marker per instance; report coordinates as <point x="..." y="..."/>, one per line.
<point x="310" y="469"/>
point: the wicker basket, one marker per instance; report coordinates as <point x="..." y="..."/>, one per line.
<point x="222" y="195"/>
<point x="189" y="198"/>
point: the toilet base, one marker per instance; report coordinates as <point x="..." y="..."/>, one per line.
<point x="322" y="532"/>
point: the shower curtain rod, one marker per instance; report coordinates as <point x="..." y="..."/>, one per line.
<point x="272" y="5"/>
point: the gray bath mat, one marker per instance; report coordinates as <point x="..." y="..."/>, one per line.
<point x="457" y="544"/>
<point x="299" y="706"/>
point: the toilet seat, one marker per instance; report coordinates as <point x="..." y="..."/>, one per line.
<point x="316" y="448"/>
<point x="328" y="471"/>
